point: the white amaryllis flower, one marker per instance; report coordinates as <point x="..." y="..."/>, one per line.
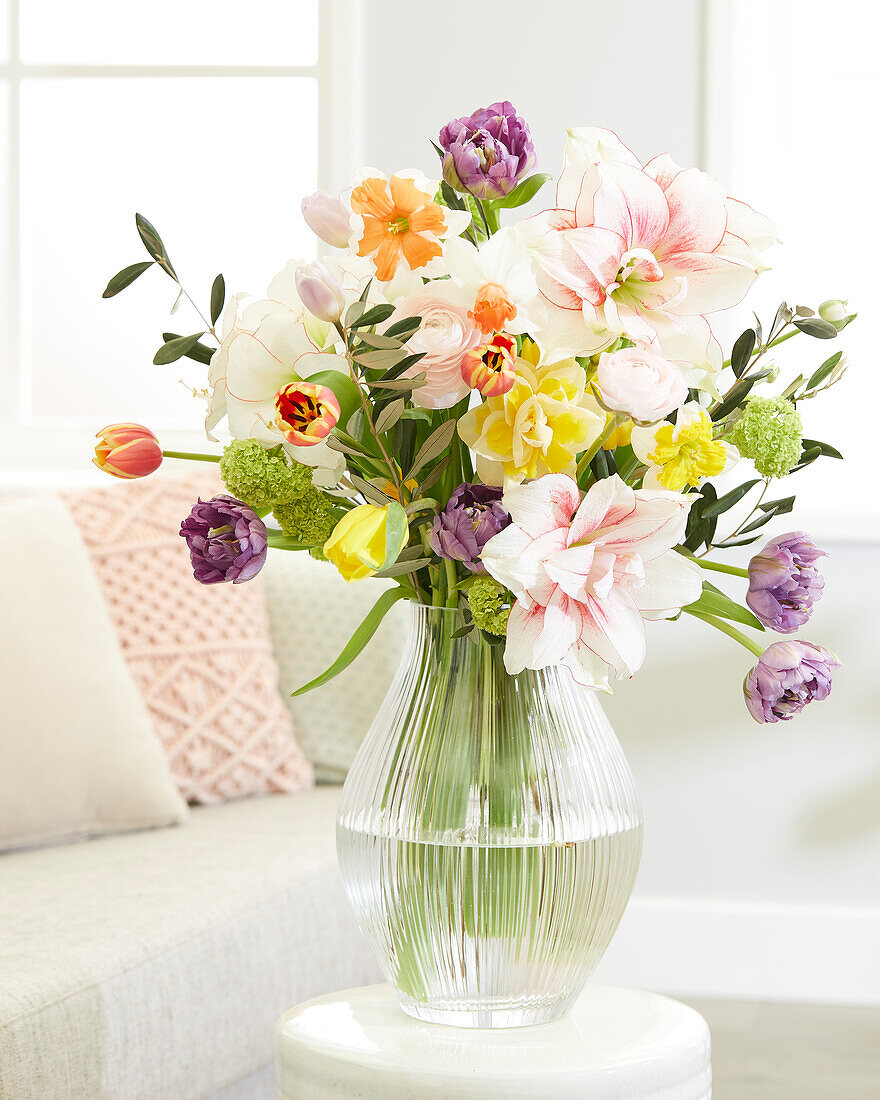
<point x="588" y="573"/>
<point x="497" y="280"/>
<point x="643" y="251"/>
<point x="251" y="367"/>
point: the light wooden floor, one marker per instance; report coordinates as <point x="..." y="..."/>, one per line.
<point x="792" y="1052"/>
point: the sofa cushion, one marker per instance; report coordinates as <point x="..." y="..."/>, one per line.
<point x="155" y="964"/>
<point x="200" y="654"/>
<point x="78" y="755"/>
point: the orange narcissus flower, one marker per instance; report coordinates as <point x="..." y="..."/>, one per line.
<point x="127" y="451"/>
<point x="399" y="220"/>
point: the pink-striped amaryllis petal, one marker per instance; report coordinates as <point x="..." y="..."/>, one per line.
<point x="523" y="628"/>
<point x="585" y="148"/>
<point x="607" y="502"/>
<point x="663" y="169"/>
<point x="559" y="632"/>
<point x="586" y="668"/>
<point x="746" y="223"/>
<point x="571" y="569"/>
<point x="713" y="281"/>
<point x="656" y="524"/>
<point x="671" y="582"/>
<point x="600" y="251"/>
<point x="697" y="213"/>
<point x="615" y="631"/>
<point x="632" y="204"/>
<point x="510" y="558"/>
<point x="543" y="505"/>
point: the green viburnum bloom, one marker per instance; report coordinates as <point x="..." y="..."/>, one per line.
<point x="262" y="478"/>
<point x="490" y="604"/>
<point x="307" y="519"/>
<point x="770" y="433"/>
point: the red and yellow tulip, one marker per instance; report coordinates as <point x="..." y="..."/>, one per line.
<point x="127" y="451"/>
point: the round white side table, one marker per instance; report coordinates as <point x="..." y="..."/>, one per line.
<point x="617" y="1044"/>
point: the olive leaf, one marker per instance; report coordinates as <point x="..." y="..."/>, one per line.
<point x="126" y="277"/>
<point x="176" y="348"/>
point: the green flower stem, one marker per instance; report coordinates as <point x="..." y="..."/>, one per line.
<point x="588" y="456"/>
<point x="451" y="581"/>
<point x="192" y="456"/>
<point x="731" y="631"/>
<point x="720" y="567"/>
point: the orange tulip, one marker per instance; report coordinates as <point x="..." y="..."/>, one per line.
<point x="127" y="451"/>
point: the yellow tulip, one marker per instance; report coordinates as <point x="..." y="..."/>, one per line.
<point x="357" y="545"/>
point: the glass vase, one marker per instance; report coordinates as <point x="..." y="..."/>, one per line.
<point x="489" y="832"/>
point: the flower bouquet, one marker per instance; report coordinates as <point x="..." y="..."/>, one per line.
<point x="519" y="427"/>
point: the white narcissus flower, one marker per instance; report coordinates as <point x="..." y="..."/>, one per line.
<point x="641" y="384"/>
<point x="497" y="279"/>
<point x="587" y="573"/>
<point x="643" y="251"/>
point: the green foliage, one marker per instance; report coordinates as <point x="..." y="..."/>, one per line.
<point x="263" y="478"/>
<point x="770" y="433"/>
<point x="490" y="604"/>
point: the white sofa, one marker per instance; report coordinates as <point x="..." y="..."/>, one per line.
<point x="153" y="965"/>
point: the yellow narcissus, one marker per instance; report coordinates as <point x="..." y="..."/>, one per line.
<point x="538" y="427"/>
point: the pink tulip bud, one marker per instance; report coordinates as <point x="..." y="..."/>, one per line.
<point x="491" y="368"/>
<point x="320" y="293"/>
<point x="306" y="413"/>
<point x="127" y="451"/>
<point x="327" y="218"/>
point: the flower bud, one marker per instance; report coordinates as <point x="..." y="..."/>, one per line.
<point x="327" y="218"/>
<point x="833" y="310"/>
<point x="127" y="451"/>
<point x="319" y="292"/>
<point x="491" y="368"/>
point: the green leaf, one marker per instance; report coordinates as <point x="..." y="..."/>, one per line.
<point x="821" y="373"/>
<point x="434" y="476"/>
<point x="369" y="491"/>
<point x="737" y="395"/>
<point x="201" y="353"/>
<point x="347" y="392"/>
<point x="404" y="329"/>
<point x="126" y="277"/>
<point x="396" y="533"/>
<point x="389" y="416"/>
<point x="525" y="191"/>
<point x="736" y="542"/>
<point x="453" y="201"/>
<point x="176" y="348"/>
<point x="815" y="326"/>
<point x="402" y="384"/>
<point x="153" y="244"/>
<point x="807" y="458"/>
<point x="778" y="507"/>
<point x="715" y="508"/>
<point x="756" y="524"/>
<point x="374" y="316"/>
<point x="380" y="360"/>
<point x="433" y="447"/>
<point x="741" y="355"/>
<point x="218" y="297"/>
<point x="401" y="568"/>
<point x="825" y="449"/>
<point x="377" y="340"/>
<point x="715" y="602"/>
<point x="358" y="640"/>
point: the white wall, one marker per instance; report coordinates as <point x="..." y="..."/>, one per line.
<point x="761" y="873"/>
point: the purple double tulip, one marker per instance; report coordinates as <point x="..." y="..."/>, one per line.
<point x="227" y="540"/>
<point x="487" y="153"/>
<point x="784" y="582"/>
<point x="787" y="677"/>
<point x="473" y="514"/>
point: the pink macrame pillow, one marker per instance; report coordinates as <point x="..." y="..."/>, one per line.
<point x="200" y="654"/>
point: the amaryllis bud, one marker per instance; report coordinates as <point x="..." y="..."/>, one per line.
<point x="327" y="218"/>
<point x="787" y="677"/>
<point x="319" y="292"/>
<point x="306" y="413"/>
<point x="127" y="451"/>
<point x="227" y="540"/>
<point x="491" y="368"/>
<point x="784" y="582"/>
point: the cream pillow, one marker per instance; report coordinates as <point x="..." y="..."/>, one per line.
<point x="78" y="755"/>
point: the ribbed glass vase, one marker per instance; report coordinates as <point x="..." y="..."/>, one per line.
<point x="489" y="833"/>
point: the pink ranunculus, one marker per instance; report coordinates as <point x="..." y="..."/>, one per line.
<point x="588" y="573"/>
<point x="445" y="334"/>
<point x="648" y="250"/>
<point x="641" y="384"/>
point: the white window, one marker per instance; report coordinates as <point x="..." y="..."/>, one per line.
<point x="204" y="118"/>
<point x="793" y="88"/>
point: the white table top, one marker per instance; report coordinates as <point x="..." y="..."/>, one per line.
<point x="617" y="1044"/>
